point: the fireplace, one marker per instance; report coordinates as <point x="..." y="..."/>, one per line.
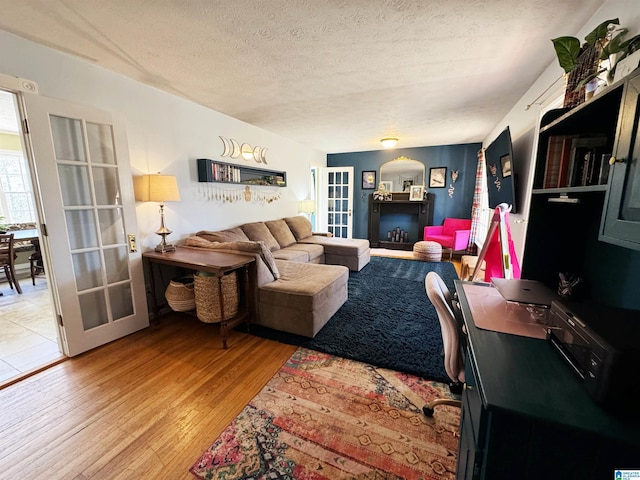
<point x="399" y="223"/>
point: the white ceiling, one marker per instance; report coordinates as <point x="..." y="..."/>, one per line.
<point x="336" y="75"/>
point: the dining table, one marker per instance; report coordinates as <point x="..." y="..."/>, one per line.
<point x="26" y="235"/>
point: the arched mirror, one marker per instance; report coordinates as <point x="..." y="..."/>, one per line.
<point x="400" y="173"/>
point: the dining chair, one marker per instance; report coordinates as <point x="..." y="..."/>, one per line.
<point x="7" y="260"/>
<point x="35" y="261"/>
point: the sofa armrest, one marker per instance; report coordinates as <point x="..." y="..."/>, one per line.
<point x="323" y="234"/>
<point x="461" y="239"/>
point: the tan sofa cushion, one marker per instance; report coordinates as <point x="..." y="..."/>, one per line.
<point x="281" y="232"/>
<point x="258" y="232"/>
<point x="231" y="235"/>
<point x="305" y="297"/>
<point x="340" y="246"/>
<point x="300" y="226"/>
<point x="291" y="254"/>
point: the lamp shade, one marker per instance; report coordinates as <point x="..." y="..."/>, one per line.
<point x="156" y="188"/>
<point x="307" y="206"/>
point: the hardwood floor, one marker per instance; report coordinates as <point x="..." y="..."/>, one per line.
<point x="145" y="406"/>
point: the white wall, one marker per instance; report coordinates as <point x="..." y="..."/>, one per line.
<point x="166" y="134"/>
<point x="523" y="123"/>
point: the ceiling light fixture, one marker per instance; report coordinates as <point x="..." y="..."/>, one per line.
<point x="389" y="142"/>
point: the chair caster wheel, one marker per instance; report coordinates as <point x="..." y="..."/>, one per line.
<point x="427" y="411"/>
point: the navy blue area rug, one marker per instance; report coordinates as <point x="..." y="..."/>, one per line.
<point x="388" y="320"/>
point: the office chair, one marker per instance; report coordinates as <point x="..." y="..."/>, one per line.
<point x="440" y="297"/>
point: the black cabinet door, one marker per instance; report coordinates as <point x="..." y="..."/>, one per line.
<point x="621" y="221"/>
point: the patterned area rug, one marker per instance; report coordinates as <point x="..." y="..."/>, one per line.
<point x="326" y="417"/>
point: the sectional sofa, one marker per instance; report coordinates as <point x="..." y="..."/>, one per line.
<point x="301" y="276"/>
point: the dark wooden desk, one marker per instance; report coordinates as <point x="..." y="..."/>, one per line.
<point x="220" y="264"/>
<point x="526" y="415"/>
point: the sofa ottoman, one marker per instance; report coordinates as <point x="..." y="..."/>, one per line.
<point x="427" y="251"/>
<point x="304" y="298"/>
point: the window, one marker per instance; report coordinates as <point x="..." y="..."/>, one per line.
<point x="16" y="197"/>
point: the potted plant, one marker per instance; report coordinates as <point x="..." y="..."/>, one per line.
<point x="608" y="38"/>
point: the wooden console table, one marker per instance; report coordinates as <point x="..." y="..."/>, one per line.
<point x="218" y="263"/>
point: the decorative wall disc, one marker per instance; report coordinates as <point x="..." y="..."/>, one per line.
<point x="247" y="151"/>
<point x="233" y="149"/>
<point x="227" y="147"/>
<point x="236" y="149"/>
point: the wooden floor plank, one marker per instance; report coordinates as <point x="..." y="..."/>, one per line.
<point x="145" y="406"/>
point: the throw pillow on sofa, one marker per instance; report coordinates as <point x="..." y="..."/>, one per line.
<point x="300" y="226"/>
<point x="281" y="232"/>
<point x="231" y="235"/>
<point x="239" y="247"/>
<point x="258" y="232"/>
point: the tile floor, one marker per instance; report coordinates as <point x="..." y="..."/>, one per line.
<point x="28" y="338"/>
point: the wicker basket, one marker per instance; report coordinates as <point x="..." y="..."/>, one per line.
<point x="180" y="294"/>
<point x="208" y="300"/>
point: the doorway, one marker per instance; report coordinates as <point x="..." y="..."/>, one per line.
<point x="28" y="331"/>
<point x="336" y="201"/>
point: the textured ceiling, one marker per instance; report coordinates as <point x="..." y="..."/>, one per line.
<point x="336" y="75"/>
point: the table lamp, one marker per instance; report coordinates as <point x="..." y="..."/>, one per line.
<point x="159" y="188"/>
<point x="307" y="206"/>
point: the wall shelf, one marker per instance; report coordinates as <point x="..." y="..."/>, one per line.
<point x="220" y="172"/>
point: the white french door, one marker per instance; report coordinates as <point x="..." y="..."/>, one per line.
<point x="84" y="178"/>
<point x="336" y="202"/>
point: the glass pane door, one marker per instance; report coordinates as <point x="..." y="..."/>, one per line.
<point x="339" y="188"/>
<point x="89" y="205"/>
<point x="87" y="170"/>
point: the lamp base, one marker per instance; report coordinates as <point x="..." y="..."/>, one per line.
<point x="164" y="248"/>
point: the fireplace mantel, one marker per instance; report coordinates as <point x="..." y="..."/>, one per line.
<point x="399" y="205"/>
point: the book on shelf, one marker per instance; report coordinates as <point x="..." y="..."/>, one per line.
<point x="565" y="160"/>
<point x="558" y="158"/>
<point x="586" y="161"/>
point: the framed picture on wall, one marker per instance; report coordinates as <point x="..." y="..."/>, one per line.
<point x="505" y="162"/>
<point x="416" y="193"/>
<point x="437" y="177"/>
<point x="369" y="180"/>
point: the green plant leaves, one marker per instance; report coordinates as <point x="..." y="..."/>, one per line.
<point x="600" y="32"/>
<point x="567" y="50"/>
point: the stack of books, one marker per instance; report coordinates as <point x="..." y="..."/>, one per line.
<point x="576" y="161"/>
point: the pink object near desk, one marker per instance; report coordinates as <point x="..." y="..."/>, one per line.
<point x="491" y="311"/>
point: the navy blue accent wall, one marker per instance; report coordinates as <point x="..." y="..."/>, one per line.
<point x="455" y="157"/>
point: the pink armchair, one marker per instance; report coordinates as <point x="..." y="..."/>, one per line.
<point x="453" y="233"/>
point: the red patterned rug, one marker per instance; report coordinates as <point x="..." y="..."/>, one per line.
<point x="325" y="417"/>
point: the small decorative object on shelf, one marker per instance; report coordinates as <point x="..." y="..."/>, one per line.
<point x="397" y="235"/>
<point x="382" y="195"/>
<point x="416" y="193"/>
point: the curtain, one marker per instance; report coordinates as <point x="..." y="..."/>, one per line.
<point x="480" y="208"/>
